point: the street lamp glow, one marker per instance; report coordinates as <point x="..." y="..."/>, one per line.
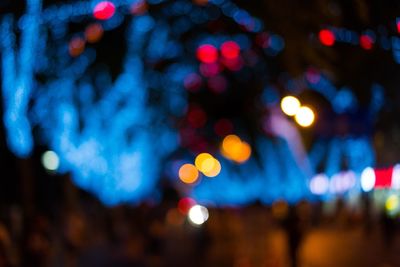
<point x="50" y="161"/>
<point x="290" y="105"/>
<point x="198" y="215"/>
<point x="368" y="179"/>
<point x="305" y="116"/>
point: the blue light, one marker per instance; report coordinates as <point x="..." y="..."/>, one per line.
<point x="102" y="127"/>
<point x="344" y="101"/>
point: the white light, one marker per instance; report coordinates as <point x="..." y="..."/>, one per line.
<point x="319" y="184"/>
<point x="342" y="182"/>
<point x="198" y="214"/>
<point x="50" y="161"/>
<point x="368" y="179"/>
<point x="396" y="177"/>
<point x="305" y="116"/>
<point x="290" y="105"/>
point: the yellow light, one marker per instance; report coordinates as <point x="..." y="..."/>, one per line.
<point x="305" y="116"/>
<point x="188" y="173"/>
<point x="392" y="203"/>
<point x="208" y="165"/>
<point x="204" y="162"/>
<point x="216" y="169"/>
<point x="290" y="105"/>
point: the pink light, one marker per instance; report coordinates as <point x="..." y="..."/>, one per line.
<point x="396" y="177"/>
<point x="383" y="178"/>
<point x="104" y="10"/>
<point x="327" y="37"/>
<point x="230" y="50"/>
<point x="207" y="53"/>
<point x="398" y="25"/>
<point x="209" y="69"/>
<point x="313" y="76"/>
<point x="366" y="42"/>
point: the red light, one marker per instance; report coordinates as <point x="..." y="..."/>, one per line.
<point x="217" y="84"/>
<point x="366" y="42"/>
<point x="223" y="127"/>
<point x="230" y="50"/>
<point x="383" y="178"/>
<point x="209" y="69"/>
<point x="398" y="24"/>
<point x="327" y="37"/>
<point x="185" y="204"/>
<point x="196" y="117"/>
<point x="262" y="40"/>
<point x="234" y="64"/>
<point x="104" y="10"/>
<point x="207" y="53"/>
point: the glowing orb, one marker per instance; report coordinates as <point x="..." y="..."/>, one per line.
<point x="319" y="184"/>
<point x="366" y="42"/>
<point x="207" y="53"/>
<point x="93" y="33"/>
<point x="305" y="116"/>
<point x="396" y="177"/>
<point x="198" y="215"/>
<point x="392" y="203"/>
<point x="290" y="105"/>
<point x="235" y="149"/>
<point x="368" y="179"/>
<point x="326" y="37"/>
<point x="104" y="10"/>
<point x="188" y="173"/>
<point x="50" y="161"/>
<point x="230" y="50"/>
<point x="76" y="46"/>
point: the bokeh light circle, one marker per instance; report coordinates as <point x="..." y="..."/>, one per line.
<point x="305" y="116"/>
<point x="188" y="173"/>
<point x="198" y="215"/>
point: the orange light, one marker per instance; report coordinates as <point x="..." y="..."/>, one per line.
<point x="235" y="149"/>
<point x="230" y="142"/>
<point x="188" y="173"/>
<point x="245" y="153"/>
<point x="76" y="46"/>
<point x="94" y="32"/>
<point x="139" y="7"/>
